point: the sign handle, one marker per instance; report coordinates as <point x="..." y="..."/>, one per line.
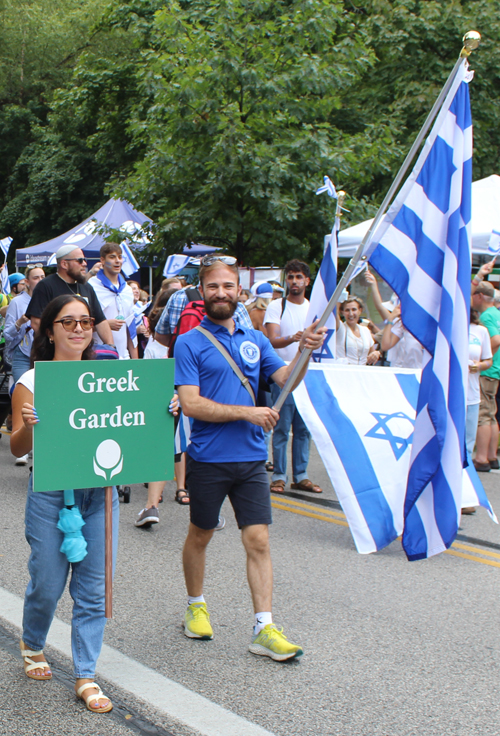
<point x="108" y="553"/>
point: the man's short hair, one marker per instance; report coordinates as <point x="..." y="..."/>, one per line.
<point x="205" y="270"/>
<point x="296" y="266"/>
<point x="486" y="290"/>
<point x="108" y="248"/>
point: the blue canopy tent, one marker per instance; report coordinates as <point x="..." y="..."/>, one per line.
<point x="116" y="214"/>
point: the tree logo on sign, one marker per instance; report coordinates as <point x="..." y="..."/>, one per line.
<point x="108" y="457"/>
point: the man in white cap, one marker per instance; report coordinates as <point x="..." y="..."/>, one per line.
<point x="69" y="279"/>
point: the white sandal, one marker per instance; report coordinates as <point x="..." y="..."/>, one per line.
<point x="94" y="696"/>
<point x="30" y="665"/>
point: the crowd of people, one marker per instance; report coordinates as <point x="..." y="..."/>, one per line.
<point x="234" y="351"/>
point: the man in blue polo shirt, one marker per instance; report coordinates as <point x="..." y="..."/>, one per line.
<point x="227" y="425"/>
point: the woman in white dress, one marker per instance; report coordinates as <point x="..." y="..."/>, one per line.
<point x="355" y="344"/>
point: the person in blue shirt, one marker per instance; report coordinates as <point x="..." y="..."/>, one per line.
<point x="227" y="451"/>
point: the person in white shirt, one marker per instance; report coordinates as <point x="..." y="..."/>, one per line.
<point x="285" y="321"/>
<point x="480" y="359"/>
<point x="354" y="342"/>
<point x="117" y="300"/>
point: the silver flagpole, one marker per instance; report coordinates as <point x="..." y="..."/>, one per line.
<point x="471" y="41"/>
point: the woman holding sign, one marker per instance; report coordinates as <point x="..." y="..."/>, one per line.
<point x="65" y="334"/>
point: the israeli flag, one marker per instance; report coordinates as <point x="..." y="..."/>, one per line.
<point x="175" y="264"/>
<point x="4" y="277"/>
<point x="494" y="243"/>
<point x="5" y="245"/>
<point x="362" y="419"/>
<point x="324" y="285"/>
<point x="422" y="248"/>
<point x="129" y="265"/>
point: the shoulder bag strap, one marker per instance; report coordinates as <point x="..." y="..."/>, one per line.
<point x="222" y="350"/>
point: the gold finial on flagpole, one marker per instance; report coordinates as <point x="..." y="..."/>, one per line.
<point x="471" y="40"/>
<point x="340" y="203"/>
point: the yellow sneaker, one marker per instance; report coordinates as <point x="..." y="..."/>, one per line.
<point x="271" y="642"/>
<point x="197" y="622"/>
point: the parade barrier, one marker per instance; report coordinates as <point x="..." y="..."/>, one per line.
<point x="100" y="421"/>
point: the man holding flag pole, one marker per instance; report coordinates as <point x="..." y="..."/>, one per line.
<point x="422" y="249"/>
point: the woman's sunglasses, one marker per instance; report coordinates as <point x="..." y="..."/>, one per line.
<point x="69" y="323"/>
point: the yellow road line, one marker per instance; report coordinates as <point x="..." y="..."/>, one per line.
<point x="454" y="551"/>
<point x="308" y="513"/>
<point x="280" y="499"/>
<point x="472" y="557"/>
<point x="456" y="545"/>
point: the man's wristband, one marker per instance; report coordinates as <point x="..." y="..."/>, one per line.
<point x="477" y="279"/>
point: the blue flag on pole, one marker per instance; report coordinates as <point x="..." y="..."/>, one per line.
<point x="422" y="249"/>
<point x="325" y="283"/>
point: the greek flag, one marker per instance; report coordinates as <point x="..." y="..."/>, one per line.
<point x="129" y="265"/>
<point x="5" y="245"/>
<point x="4" y="279"/>
<point x="362" y="419"/>
<point x="422" y="248"/>
<point x="324" y="285"/>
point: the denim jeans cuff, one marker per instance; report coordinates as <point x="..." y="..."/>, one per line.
<point x="299" y="478"/>
<point x="279" y="476"/>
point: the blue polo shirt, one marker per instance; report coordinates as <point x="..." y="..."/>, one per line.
<point x="199" y="363"/>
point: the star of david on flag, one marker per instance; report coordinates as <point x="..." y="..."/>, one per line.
<point x="422" y="248"/>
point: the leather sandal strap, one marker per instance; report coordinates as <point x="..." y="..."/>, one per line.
<point x="30" y="653"/>
<point x="86" y="686"/>
<point x="35" y="665"/>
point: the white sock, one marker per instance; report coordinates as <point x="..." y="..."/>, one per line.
<point x="196" y="599"/>
<point x="262" y="619"/>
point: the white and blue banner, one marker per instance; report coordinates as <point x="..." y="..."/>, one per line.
<point x="422" y="249"/>
<point x="174" y="265"/>
<point x="129" y="265"/>
<point x="494" y="243"/>
<point x="5" y="245"/>
<point x="4" y="278"/>
<point x="362" y="419"/>
<point x="324" y="285"/>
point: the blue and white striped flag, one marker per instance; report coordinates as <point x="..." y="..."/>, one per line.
<point x="494" y="243"/>
<point x="4" y="278"/>
<point x="324" y="285"/>
<point x="422" y="249"/>
<point x="129" y="265"/>
<point x="362" y="420"/>
<point x="5" y="245"/>
<point x="174" y="265"/>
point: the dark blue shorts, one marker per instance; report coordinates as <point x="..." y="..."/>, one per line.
<point x="246" y="485"/>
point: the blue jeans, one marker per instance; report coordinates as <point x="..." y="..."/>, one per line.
<point x="290" y="419"/>
<point x="49" y="570"/>
<point x="20" y="363"/>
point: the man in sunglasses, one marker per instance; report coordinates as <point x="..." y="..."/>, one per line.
<point x="69" y="279"/>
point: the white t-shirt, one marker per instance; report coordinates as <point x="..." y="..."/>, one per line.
<point x="293" y="320"/>
<point x="154" y="349"/>
<point x="410" y="351"/>
<point x="28" y="380"/>
<point x="114" y="305"/>
<point x="351" y="348"/>
<point x="479" y="349"/>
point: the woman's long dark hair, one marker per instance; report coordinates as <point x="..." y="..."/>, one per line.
<point x="159" y="305"/>
<point x="42" y="348"/>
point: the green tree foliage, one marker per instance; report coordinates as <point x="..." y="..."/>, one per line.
<point x="219" y="118"/>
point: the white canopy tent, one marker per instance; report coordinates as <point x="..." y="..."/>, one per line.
<point x="485" y="218"/>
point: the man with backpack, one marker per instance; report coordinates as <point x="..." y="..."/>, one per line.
<point x="285" y="321"/>
<point x="217" y="371"/>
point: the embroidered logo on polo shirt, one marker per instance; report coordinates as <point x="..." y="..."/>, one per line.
<point x="249" y="351"/>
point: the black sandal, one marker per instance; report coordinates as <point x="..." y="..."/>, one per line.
<point x="184" y="499"/>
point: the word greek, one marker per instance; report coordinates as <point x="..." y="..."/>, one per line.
<point x="88" y="386"/>
<point x="78" y="419"/>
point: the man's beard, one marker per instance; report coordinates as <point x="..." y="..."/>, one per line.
<point x="78" y="276"/>
<point x="222" y="310"/>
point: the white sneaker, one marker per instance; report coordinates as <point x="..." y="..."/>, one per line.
<point x="23" y="460"/>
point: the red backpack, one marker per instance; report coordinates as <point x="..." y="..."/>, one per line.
<point x="191" y="316"/>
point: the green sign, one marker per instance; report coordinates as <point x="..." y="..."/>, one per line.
<point x="102" y="423"/>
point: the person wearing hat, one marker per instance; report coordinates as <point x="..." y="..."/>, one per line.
<point x="17" y="283"/>
<point x="69" y="279"/>
<point x="257" y="305"/>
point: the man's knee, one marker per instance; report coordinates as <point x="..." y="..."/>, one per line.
<point x="256" y="539"/>
<point x="198" y="537"/>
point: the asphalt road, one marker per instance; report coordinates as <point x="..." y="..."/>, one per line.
<point x="391" y="648"/>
